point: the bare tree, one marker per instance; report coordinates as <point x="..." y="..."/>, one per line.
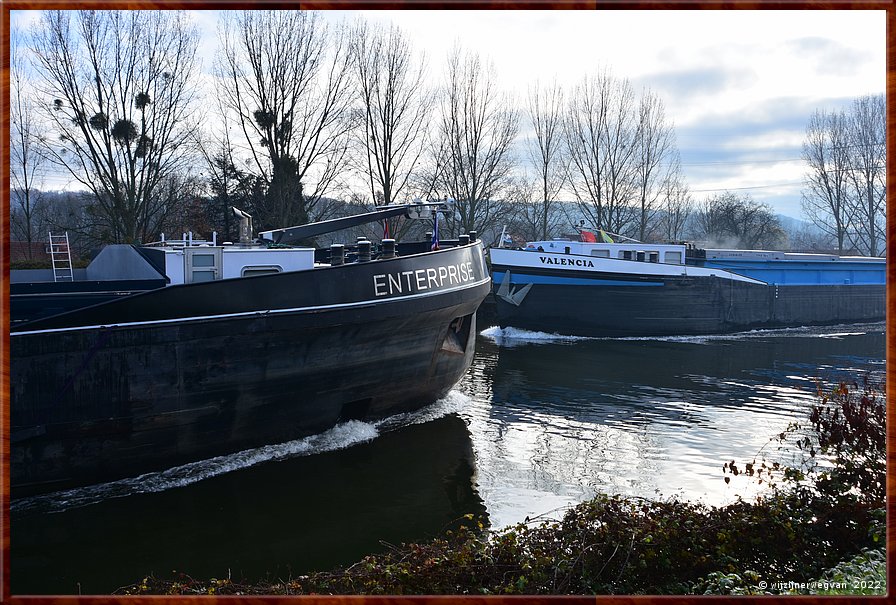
<point x="478" y="127"/>
<point x="826" y="151"/>
<point x="676" y="205"/>
<point x="182" y="194"/>
<point x="727" y="220"/>
<point x="710" y="225"/>
<point x="27" y="164"/>
<point x="285" y="76"/>
<point x="867" y="154"/>
<point x="654" y="158"/>
<point x="527" y="219"/>
<point x="806" y="237"/>
<point x="118" y="87"/>
<point x="600" y="130"/>
<point x="227" y="186"/>
<point x="73" y="212"/>
<point x="545" y="112"/>
<point x="226" y="182"/>
<point x="396" y="107"/>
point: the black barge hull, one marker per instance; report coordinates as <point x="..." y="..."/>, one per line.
<point x="671" y="306"/>
<point x="238" y="364"/>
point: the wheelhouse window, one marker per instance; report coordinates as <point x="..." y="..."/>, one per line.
<point x="673" y="258"/>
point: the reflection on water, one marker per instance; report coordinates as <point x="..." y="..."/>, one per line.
<point x="556" y="420"/>
<point x="287" y="516"/>
<point x="539" y="423"/>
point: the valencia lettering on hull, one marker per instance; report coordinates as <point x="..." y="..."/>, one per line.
<point x="420" y="280"/>
<point x="575" y="262"/>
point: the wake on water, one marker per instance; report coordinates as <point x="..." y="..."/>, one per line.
<point x="513" y="337"/>
<point x="341" y="436"/>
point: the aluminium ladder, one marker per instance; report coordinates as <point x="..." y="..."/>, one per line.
<point x="61" y="255"/>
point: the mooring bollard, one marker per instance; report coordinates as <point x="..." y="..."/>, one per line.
<point x="337" y="254"/>
<point x="388" y="249"/>
<point x="463" y="239"/>
<point x="472" y="236"/>
<point x="363" y="251"/>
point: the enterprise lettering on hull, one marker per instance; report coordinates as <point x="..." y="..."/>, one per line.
<point x="411" y="282"/>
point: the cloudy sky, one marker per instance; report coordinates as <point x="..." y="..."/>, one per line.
<point x="739" y="86"/>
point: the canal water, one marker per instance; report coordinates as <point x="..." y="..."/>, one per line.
<point x="539" y="423"/>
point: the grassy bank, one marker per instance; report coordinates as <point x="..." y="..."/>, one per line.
<point x="818" y="529"/>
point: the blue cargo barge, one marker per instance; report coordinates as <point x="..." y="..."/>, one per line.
<point x="592" y="288"/>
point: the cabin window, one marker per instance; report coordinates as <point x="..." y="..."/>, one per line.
<point x="600" y="253"/>
<point x="673" y="258"/>
<point x="250" y="270"/>
<point x="203" y="260"/>
<point x="203" y="276"/>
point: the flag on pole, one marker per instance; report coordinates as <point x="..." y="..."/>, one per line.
<point x="435" y="231"/>
<point x="605" y="238"/>
<point x="386" y="228"/>
<point x="587" y="236"/>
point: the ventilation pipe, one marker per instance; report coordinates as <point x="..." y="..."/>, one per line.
<point x="245" y="225"/>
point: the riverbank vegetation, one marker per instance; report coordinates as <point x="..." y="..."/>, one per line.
<point x="818" y="528"/>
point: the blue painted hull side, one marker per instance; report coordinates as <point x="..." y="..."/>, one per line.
<point x="679" y="306"/>
<point x="809" y="273"/>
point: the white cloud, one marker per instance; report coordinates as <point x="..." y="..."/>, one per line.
<point x="22" y="20"/>
<point x="207" y="23"/>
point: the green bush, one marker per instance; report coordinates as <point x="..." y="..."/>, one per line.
<point x="864" y="574"/>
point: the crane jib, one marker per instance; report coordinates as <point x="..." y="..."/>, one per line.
<point x="298" y="233"/>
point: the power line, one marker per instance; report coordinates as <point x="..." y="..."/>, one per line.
<point x="750" y="162"/>
<point x="742" y="163"/>
<point x="744" y="188"/>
